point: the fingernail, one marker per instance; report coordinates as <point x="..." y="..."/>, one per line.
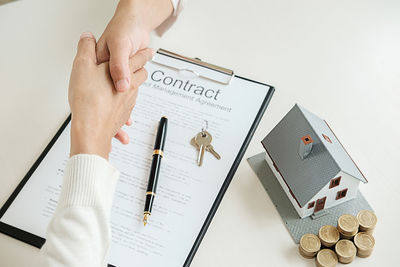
<point x="122" y="85"/>
<point x="86" y="35"/>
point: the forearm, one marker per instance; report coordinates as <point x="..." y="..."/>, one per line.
<point x="78" y="234"/>
<point x="150" y="13"/>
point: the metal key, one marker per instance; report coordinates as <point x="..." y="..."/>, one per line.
<point x="193" y="143"/>
<point x="202" y="139"/>
<point x="209" y="148"/>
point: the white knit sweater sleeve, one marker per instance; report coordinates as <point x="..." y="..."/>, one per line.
<point x="78" y="234"/>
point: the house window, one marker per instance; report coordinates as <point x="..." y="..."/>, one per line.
<point x="311" y="205"/>
<point x="327" y="138"/>
<point x="320" y="204"/>
<point x="335" y="182"/>
<point x="341" y="194"/>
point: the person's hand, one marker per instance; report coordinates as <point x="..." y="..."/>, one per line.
<point x="128" y="32"/>
<point x="98" y="111"/>
<point x="124" y="36"/>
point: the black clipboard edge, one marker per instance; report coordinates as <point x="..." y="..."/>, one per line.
<point x="19" y="234"/>
<point x="231" y="172"/>
<point x="22" y="235"/>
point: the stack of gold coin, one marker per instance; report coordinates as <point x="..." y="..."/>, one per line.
<point x="367" y="220"/>
<point x="347" y="226"/>
<point x="345" y="250"/>
<point x="365" y="244"/>
<point x="326" y="258"/>
<point x="309" y="246"/>
<point x="329" y="235"/>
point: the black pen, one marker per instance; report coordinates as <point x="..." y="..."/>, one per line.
<point x="155" y="168"/>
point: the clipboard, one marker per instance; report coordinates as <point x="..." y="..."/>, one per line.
<point x="185" y="66"/>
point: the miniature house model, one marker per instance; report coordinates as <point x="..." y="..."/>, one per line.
<point x="311" y="165"/>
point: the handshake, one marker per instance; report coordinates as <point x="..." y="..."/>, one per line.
<point x="106" y="75"/>
<point x="100" y="106"/>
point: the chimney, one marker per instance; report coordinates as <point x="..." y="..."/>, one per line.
<point x="305" y="146"/>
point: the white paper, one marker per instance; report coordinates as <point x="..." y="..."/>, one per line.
<point x="185" y="192"/>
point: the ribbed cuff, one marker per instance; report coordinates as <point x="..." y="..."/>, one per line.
<point x="89" y="180"/>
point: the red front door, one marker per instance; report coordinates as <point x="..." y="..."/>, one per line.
<point x="320" y="204"/>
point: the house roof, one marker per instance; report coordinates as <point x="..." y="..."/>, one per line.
<point x="306" y="177"/>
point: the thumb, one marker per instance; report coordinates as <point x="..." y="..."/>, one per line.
<point x="87" y="47"/>
<point x="119" y="65"/>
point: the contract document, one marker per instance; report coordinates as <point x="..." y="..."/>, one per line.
<point x="187" y="195"/>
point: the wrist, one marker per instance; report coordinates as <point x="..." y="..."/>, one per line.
<point x="134" y="11"/>
<point x="148" y="14"/>
<point x="86" y="140"/>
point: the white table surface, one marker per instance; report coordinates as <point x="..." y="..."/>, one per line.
<point x="339" y="59"/>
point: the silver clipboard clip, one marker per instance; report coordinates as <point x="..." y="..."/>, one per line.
<point x="193" y="67"/>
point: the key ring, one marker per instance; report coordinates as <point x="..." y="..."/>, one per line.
<point x="202" y="128"/>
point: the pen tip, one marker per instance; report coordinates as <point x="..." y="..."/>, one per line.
<point x="145" y="218"/>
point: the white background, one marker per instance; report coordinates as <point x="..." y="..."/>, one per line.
<point x="339" y="59"/>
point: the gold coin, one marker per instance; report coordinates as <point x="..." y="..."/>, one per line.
<point x="367" y="220"/>
<point x="326" y="258"/>
<point x="329" y="235"/>
<point x="305" y="254"/>
<point x="310" y="243"/>
<point x="345" y="250"/>
<point x="364" y="241"/>
<point x="365" y="244"/>
<point x="348" y="224"/>
<point x="344" y="236"/>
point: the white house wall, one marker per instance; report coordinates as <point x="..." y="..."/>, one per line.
<point x="346" y="181"/>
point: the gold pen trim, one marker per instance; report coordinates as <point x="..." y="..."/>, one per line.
<point x="150" y="193"/>
<point x="158" y="152"/>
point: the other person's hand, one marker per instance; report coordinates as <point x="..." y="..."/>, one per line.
<point x="98" y="110"/>
<point x="126" y="34"/>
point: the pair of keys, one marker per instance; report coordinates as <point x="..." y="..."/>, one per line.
<point x="202" y="142"/>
